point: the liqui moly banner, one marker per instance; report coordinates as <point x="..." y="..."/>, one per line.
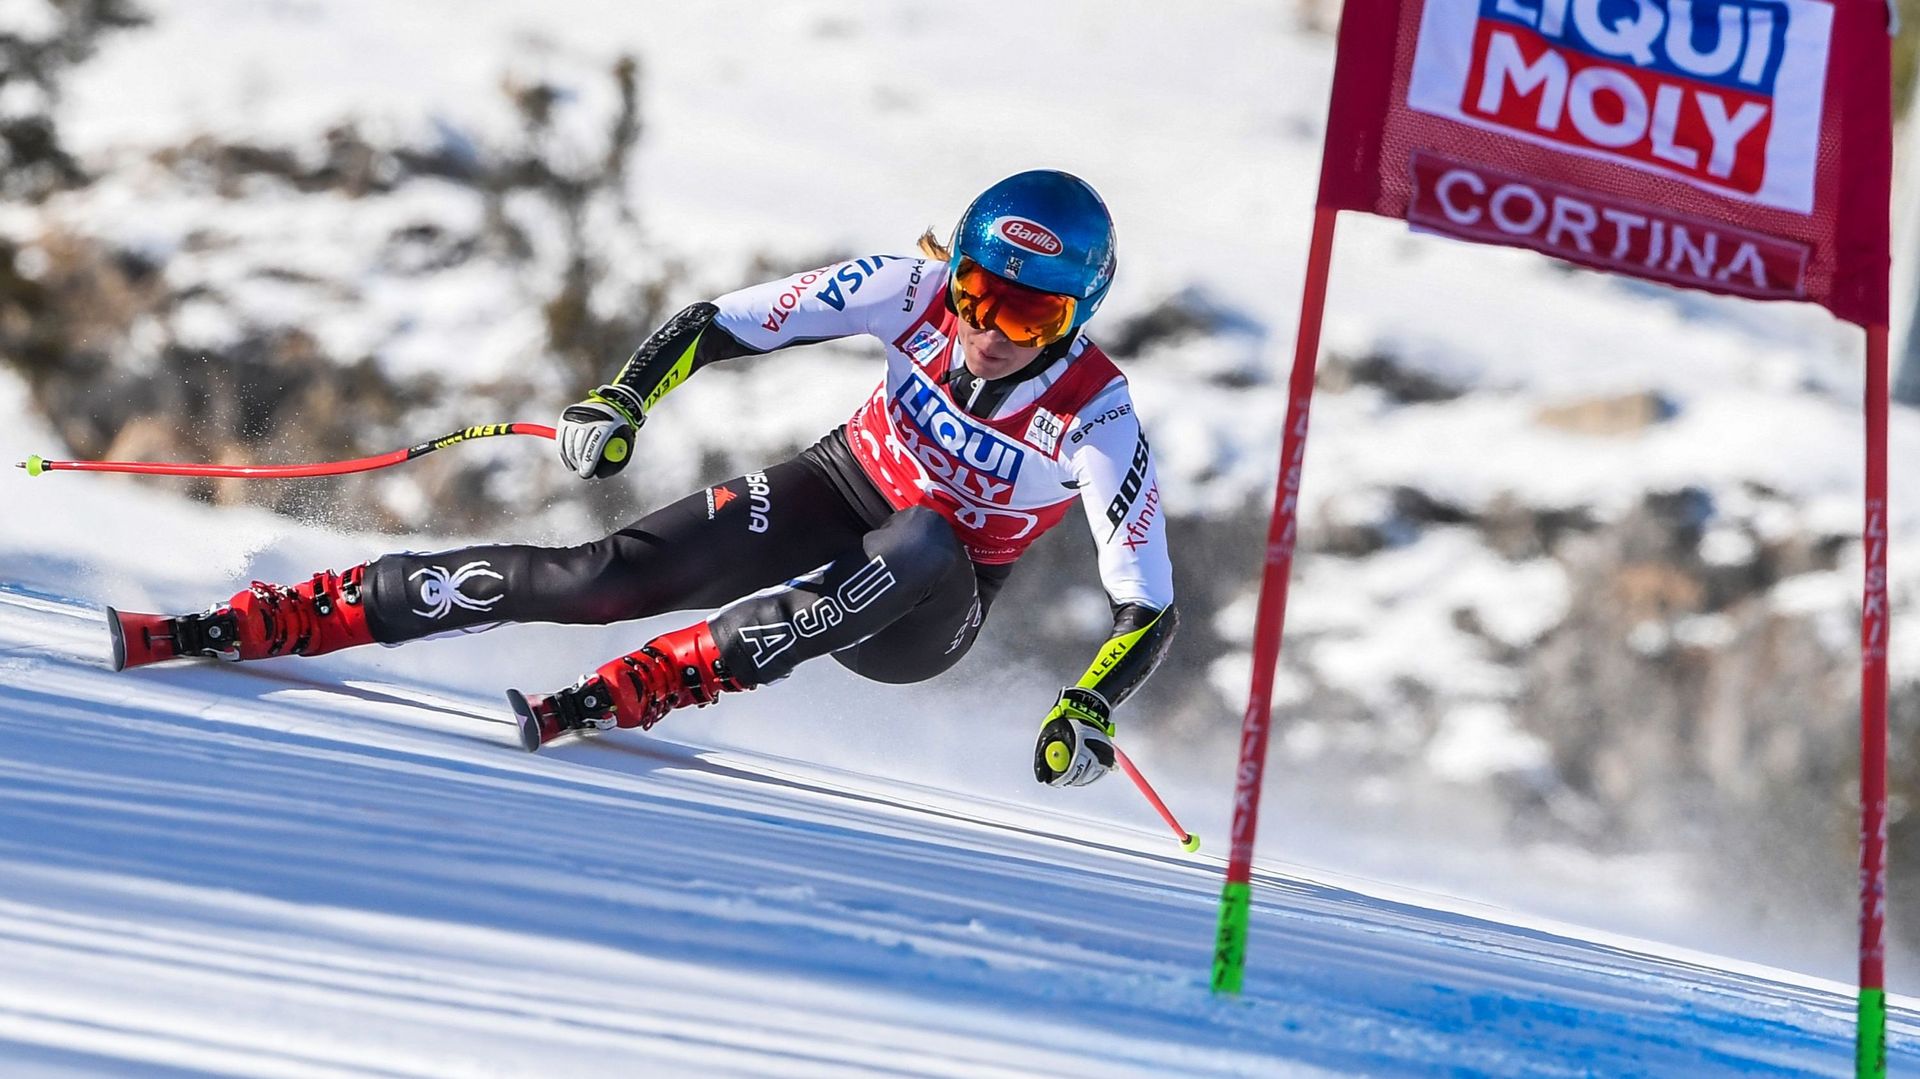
<point x="1725" y="94"/>
<point x="1738" y="146"/>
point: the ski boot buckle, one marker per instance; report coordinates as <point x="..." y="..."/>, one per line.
<point x="215" y="633"/>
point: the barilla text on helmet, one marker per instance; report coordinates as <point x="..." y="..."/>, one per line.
<point x="1028" y="235"/>
<point x="1698" y="88"/>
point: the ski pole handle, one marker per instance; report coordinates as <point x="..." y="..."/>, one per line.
<point x="1188" y="841"/>
<point x="36" y="464"/>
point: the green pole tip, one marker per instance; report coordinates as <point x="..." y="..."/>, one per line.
<point x="34" y="465"/>
<point x="1870" y="1041"/>
<point x="1230" y="939"/>
<point x="1191" y="843"/>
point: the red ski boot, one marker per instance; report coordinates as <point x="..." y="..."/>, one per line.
<point x="671" y="671"/>
<point x="322" y="615"/>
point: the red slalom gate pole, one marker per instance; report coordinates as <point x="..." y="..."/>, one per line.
<point x="1236" y="896"/>
<point x="1188" y="841"/>
<point x="1870" y="1043"/>
<point x="37" y="465"/>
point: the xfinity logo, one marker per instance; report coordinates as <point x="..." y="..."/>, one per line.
<point x="1028" y="235"/>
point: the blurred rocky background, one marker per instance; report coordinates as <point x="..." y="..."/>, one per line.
<point x="1633" y="656"/>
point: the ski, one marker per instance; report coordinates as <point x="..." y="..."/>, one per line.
<point x="140" y="639"/>
<point x="543" y="717"/>
<point x="525" y="718"/>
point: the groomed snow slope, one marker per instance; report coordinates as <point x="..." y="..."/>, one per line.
<point x="255" y="871"/>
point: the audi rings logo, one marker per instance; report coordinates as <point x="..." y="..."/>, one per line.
<point x="1028" y="235"/>
<point x="440" y="591"/>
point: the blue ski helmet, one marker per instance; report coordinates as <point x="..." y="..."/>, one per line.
<point x="1046" y="230"/>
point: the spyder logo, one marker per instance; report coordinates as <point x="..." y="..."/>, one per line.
<point x="440" y="590"/>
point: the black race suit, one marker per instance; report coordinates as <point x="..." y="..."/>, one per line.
<point x="904" y="572"/>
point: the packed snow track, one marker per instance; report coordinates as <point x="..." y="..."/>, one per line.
<point x="253" y="870"/>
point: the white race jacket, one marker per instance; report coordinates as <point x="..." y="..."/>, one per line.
<point x="1003" y="479"/>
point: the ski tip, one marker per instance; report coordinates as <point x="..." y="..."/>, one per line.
<point x="119" y="639"/>
<point x="523" y="717"/>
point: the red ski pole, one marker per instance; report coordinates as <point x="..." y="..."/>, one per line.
<point x="1188" y="841"/>
<point x="36" y="464"/>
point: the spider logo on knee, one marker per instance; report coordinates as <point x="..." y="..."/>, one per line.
<point x="440" y="590"/>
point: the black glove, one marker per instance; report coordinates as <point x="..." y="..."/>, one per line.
<point x="596" y="436"/>
<point x="1076" y="741"/>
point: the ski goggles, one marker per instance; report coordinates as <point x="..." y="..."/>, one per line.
<point x="1025" y="316"/>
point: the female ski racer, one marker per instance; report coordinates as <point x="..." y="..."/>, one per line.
<point x="883" y="544"/>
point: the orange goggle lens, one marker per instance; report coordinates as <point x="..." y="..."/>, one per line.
<point x="1025" y="316"/>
